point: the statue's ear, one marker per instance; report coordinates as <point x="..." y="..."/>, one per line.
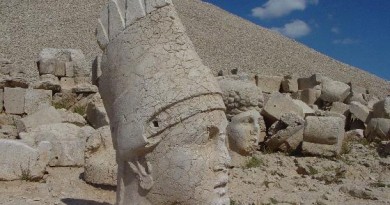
<point x="143" y="170"/>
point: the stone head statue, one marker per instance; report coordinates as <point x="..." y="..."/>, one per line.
<point x="166" y="111"/>
<point x="244" y="132"/>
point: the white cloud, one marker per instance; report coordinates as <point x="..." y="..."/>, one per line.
<point x="278" y="8"/>
<point x="346" y="41"/>
<point x="295" y="29"/>
<point x="335" y="30"/>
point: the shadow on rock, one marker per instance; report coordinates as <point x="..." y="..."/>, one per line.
<point x="70" y="201"/>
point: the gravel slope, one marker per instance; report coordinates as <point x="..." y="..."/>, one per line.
<point x="224" y="41"/>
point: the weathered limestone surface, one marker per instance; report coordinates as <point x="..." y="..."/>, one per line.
<point x="334" y="91"/>
<point x="36" y="99"/>
<point x="360" y="111"/>
<point x="44" y="116"/>
<point x="20" y="161"/>
<point x="165" y="108"/>
<point x="305" y="108"/>
<point x="14" y="100"/>
<point x="382" y="109"/>
<point x="96" y="113"/>
<point x="340" y="108"/>
<point x="100" y="163"/>
<point x="279" y="104"/>
<point x="68" y="142"/>
<point x="290" y="84"/>
<point x="378" y="129"/>
<point x="269" y="84"/>
<point x="324" y="130"/>
<point x="244" y="132"/>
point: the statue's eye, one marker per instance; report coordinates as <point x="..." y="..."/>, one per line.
<point x="155" y="124"/>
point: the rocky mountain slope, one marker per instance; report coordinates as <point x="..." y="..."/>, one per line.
<point x="223" y="41"/>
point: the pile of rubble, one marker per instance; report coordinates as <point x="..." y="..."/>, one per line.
<point x="60" y="120"/>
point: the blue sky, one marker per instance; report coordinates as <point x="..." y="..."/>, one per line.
<point x="356" y="32"/>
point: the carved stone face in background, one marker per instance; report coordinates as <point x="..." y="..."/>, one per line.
<point x="244" y="132"/>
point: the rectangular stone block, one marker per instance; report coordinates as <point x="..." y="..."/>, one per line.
<point x="310" y="95"/>
<point x="36" y="99"/>
<point x="341" y="108"/>
<point x="67" y="84"/>
<point x="42" y="117"/>
<point x="59" y="70"/>
<point x="269" y="84"/>
<point x="14" y="100"/>
<point x="47" y="66"/>
<point x="69" y="69"/>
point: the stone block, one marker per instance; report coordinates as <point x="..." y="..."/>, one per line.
<point x="279" y="104"/>
<point x="14" y="100"/>
<point x="44" y="116"/>
<point x="305" y="108"/>
<point x="67" y="140"/>
<point x="100" y="162"/>
<point x="96" y="114"/>
<point x="334" y="91"/>
<point x="323" y="150"/>
<point x="378" y="129"/>
<point x="48" y="82"/>
<point x="289" y="84"/>
<point x="341" y="108"/>
<point x="360" y="111"/>
<point x="72" y="118"/>
<point x="36" y="99"/>
<point x="381" y="109"/>
<point x="324" y="130"/>
<point x="311" y="82"/>
<point x="17" y="159"/>
<point x="69" y="69"/>
<point x="60" y="69"/>
<point x="67" y="84"/>
<point x="269" y="84"/>
<point x="310" y="95"/>
<point x="85" y="88"/>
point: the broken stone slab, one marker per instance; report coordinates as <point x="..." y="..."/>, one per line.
<point x="360" y="111"/>
<point x="324" y="130"/>
<point x="311" y="82"/>
<point x="14" y="100"/>
<point x="85" y="88"/>
<point x="67" y="140"/>
<point x="240" y="95"/>
<point x="44" y="116"/>
<point x="269" y="84"/>
<point x="96" y="114"/>
<point x="58" y="61"/>
<point x="334" y="91"/>
<point x="36" y="99"/>
<point x="18" y="161"/>
<point x="100" y="162"/>
<point x="289" y="84"/>
<point x="305" y="108"/>
<point x="48" y="82"/>
<point x="286" y="134"/>
<point x="378" y="129"/>
<point x="72" y="118"/>
<point x="381" y="109"/>
<point x="279" y="104"/>
<point x="340" y="108"/>
<point x="244" y="132"/>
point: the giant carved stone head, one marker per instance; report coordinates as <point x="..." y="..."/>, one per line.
<point x="166" y="111"/>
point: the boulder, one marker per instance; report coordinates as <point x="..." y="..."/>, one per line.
<point x="36" y="99"/>
<point x="289" y="84"/>
<point x="18" y="161"/>
<point x="381" y="109"/>
<point x="305" y="108"/>
<point x="48" y="82"/>
<point x="100" y="162"/>
<point x="286" y="134"/>
<point x="324" y="130"/>
<point x="311" y="82"/>
<point x="269" y="84"/>
<point x="360" y="111"/>
<point x="72" y="118"/>
<point x="96" y="113"/>
<point x="310" y="95"/>
<point x="341" y="108"/>
<point x="44" y="116"/>
<point x="14" y="100"/>
<point x="279" y="104"/>
<point x="68" y="142"/>
<point x="378" y="129"/>
<point x="323" y="136"/>
<point x="240" y="95"/>
<point x="334" y="91"/>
